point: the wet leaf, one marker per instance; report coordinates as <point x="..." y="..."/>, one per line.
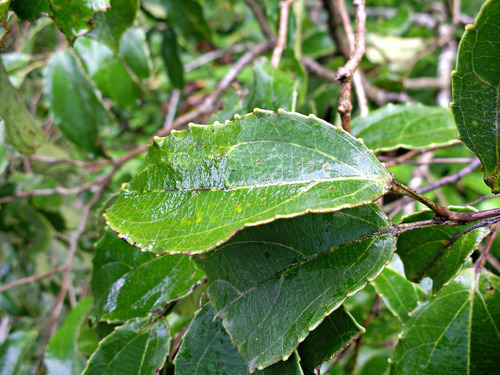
<point x="23" y="131"/>
<point x="200" y="186"/>
<point x="273" y="284"/>
<point x="13" y="349"/>
<point x="408" y="126"/>
<point x="426" y="252"/>
<point x="398" y="294"/>
<point x="456" y="333"/>
<point x="74" y="104"/>
<point x="62" y="356"/>
<point x="476" y="91"/>
<point x="171" y="58"/>
<point x="137" y="348"/>
<point x="128" y="283"/>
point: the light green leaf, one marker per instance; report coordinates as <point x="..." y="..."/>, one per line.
<point x="457" y="333"/>
<point x="128" y="283"/>
<point x="4" y="8"/>
<point x="476" y="91"/>
<point x="4" y="160"/>
<point x="398" y="294"/>
<point x="207" y="349"/>
<point x="13" y="350"/>
<point x="133" y="49"/>
<point x="335" y="332"/>
<point x="426" y="252"/>
<point x="138" y="348"/>
<point x="23" y="131"/>
<point x="112" y="24"/>
<point x="171" y="58"/>
<point x="62" y="356"/>
<point x="273" y="284"/>
<point x="409" y="126"/>
<point x="200" y="186"/>
<point x="74" y="104"/>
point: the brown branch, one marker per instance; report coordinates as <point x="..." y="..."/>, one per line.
<point x="261" y="19"/>
<point x="345" y="73"/>
<point x="30" y="279"/>
<point x="281" y="41"/>
<point x="481" y="261"/>
<point x="91" y="165"/>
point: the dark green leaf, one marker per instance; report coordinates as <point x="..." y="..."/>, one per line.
<point x="187" y="17"/>
<point x="457" y="333"/>
<point x="4" y="160"/>
<point x="62" y="356"/>
<point x="30" y="10"/>
<point x="409" y="126"/>
<point x="476" y="91"/>
<point x="128" y="283"/>
<point x="13" y="349"/>
<point x="139" y="348"/>
<point x="273" y="284"/>
<point x="399" y="295"/>
<point x="200" y="186"/>
<point x="207" y="349"/>
<point x="272" y="88"/>
<point x="112" y="24"/>
<point x="23" y="131"/>
<point x="335" y="332"/>
<point x="74" y="104"/>
<point x="426" y="252"/>
<point x="171" y="59"/>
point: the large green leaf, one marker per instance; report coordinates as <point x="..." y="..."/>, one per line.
<point x="335" y="332"/>
<point x="128" y="283"/>
<point x="13" y="349"/>
<point x="23" y="131"/>
<point x="476" y="91"/>
<point x="273" y="284"/>
<point x="457" y="333"/>
<point x="200" y="186"/>
<point x="426" y="252"/>
<point x="409" y="126"/>
<point x="29" y="10"/>
<point x="74" y="104"/>
<point x="62" y="356"/>
<point x="399" y="295"/>
<point x="207" y="349"/>
<point x="138" y="348"/>
<point x="112" y="24"/>
<point x="133" y="50"/>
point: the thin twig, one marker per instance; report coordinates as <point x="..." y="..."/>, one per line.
<point x="261" y="19"/>
<point x="30" y="279"/>
<point x="172" y="108"/>
<point x="397" y="160"/>
<point x="76" y="163"/>
<point x="483" y="198"/>
<point x="282" y="32"/>
<point x="481" y="261"/>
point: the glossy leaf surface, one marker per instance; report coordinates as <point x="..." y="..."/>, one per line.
<point x="334" y="333"/>
<point x="13" y="349"/>
<point x="200" y="186"/>
<point x="23" y="131"/>
<point x="137" y="348"/>
<point x="476" y="91"/>
<point x="456" y="333"/>
<point x="62" y="356"/>
<point x="128" y="283"/>
<point x="273" y="284"/>
<point x="399" y="295"/>
<point x="207" y="349"/>
<point x="76" y="108"/>
<point x="426" y="252"/>
<point x="112" y="24"/>
<point x="408" y="126"/>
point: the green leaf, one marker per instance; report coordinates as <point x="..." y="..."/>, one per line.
<point x="112" y="24"/>
<point x="23" y="131"/>
<point x="75" y="18"/>
<point x="187" y="17"/>
<point x="476" y="91"/>
<point x="30" y="10"/>
<point x="411" y="126"/>
<point x="200" y="186"/>
<point x="74" y="104"/>
<point x="272" y="88"/>
<point x="171" y="58"/>
<point x="128" y="283"/>
<point x="273" y="284"/>
<point x="4" y="8"/>
<point x="133" y="50"/>
<point x="4" y="160"/>
<point x="207" y="349"/>
<point x="457" y="333"/>
<point x="137" y="348"/>
<point x="398" y="294"/>
<point x="62" y="356"/>
<point x="335" y="332"/>
<point x="13" y="350"/>
<point x="108" y="72"/>
<point x="426" y="252"/>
